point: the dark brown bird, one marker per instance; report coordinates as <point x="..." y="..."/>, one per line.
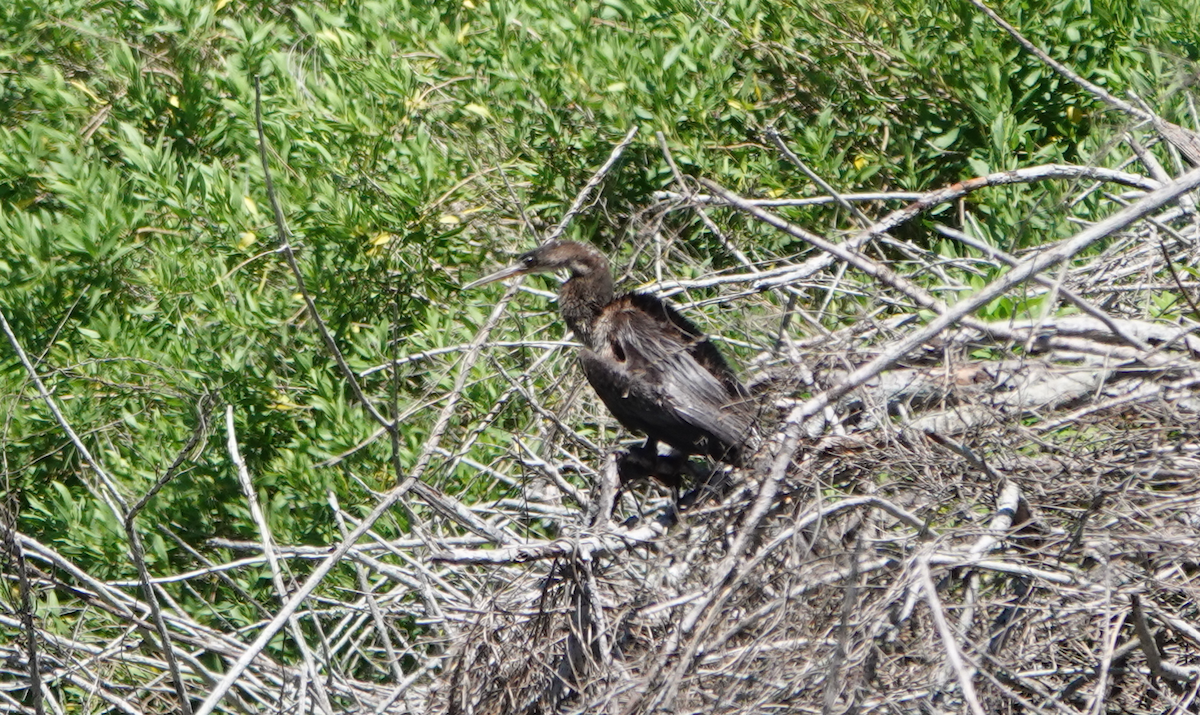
<point x="657" y="373"/>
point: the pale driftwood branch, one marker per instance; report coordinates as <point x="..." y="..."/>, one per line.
<point x="1078" y="300"/>
<point x="1007" y="505"/>
<point x="1019" y="274"/>
<point x="122" y="606"/>
<point x="954" y="658"/>
<point x="1156" y="334"/>
<point x="789" y="274"/>
<point x="814" y="201"/>
<point x="368" y="593"/>
<point x="1111" y="633"/>
<point x="891" y="278"/>
<point x="268" y="547"/>
<point x="285" y="612"/>
<point x="585" y="547"/>
<point x="792" y="431"/>
<point x="947" y="195"/>
<point x="25" y="608"/>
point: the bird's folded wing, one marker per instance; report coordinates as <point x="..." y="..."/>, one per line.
<point x="651" y="367"/>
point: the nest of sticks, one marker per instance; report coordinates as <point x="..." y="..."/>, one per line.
<point x="985" y="516"/>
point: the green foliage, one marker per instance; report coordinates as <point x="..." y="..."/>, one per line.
<point x="136" y="238"/>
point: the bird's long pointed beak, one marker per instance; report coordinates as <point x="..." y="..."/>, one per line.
<point x="513" y="270"/>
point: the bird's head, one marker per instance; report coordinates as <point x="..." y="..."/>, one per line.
<point x="579" y="259"/>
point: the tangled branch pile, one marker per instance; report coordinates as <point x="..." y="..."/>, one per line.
<point x="1002" y="516"/>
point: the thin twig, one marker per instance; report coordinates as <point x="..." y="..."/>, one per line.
<point x="592" y="183"/>
<point x="788" y="154"/>
<point x="1079" y="301"/>
<point x="1178" y="283"/>
<point x="793" y="426"/>
<point x="954" y="657"/>
<point x="1160" y="667"/>
<point x="1185" y="141"/>
<point x="285" y="246"/>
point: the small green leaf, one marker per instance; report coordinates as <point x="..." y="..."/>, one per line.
<point x="671" y="56"/>
<point x="478" y="110"/>
<point x="944" y="141"/>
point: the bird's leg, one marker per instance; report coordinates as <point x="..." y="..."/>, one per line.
<point x="670" y="468"/>
<point x="645" y="462"/>
<point x="649" y="452"/>
<point x="617" y="500"/>
<point x="638" y="463"/>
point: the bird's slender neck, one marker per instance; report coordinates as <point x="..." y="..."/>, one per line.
<point x="583" y="297"/>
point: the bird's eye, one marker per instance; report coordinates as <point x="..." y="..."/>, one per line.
<point x="527" y="260"/>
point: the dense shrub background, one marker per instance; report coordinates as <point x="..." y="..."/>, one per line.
<point x="136" y="240"/>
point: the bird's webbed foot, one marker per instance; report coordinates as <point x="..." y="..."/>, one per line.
<point x="635" y="464"/>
